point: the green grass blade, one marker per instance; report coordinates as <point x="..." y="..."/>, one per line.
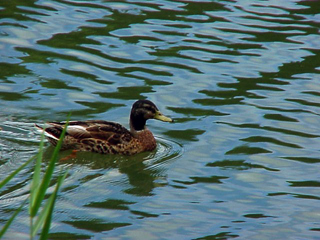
<point x="45" y="211"/>
<point x="41" y="218"/>
<point x="7" y="179"/>
<point x="49" y="211"/>
<point x="35" y="184"/>
<point x="47" y="177"/>
<point x="8" y="223"/>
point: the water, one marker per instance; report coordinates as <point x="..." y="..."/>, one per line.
<point x="240" y="78"/>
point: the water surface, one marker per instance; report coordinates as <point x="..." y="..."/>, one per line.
<point x="240" y="78"/>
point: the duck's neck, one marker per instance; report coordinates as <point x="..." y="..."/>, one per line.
<point x="140" y="131"/>
<point x="137" y="123"/>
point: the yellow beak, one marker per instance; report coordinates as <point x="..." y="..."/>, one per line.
<point x="162" y="117"/>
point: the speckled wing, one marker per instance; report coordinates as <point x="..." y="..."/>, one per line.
<point x="95" y="135"/>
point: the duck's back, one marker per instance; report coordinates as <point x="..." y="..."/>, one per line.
<point x="100" y="136"/>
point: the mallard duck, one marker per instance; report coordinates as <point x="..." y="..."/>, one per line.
<point x="109" y="137"/>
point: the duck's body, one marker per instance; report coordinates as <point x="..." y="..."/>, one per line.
<point x="109" y="137"/>
<point x="101" y="137"/>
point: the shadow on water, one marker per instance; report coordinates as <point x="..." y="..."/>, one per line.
<point x="142" y="172"/>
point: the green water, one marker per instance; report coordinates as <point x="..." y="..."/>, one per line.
<point x="241" y="80"/>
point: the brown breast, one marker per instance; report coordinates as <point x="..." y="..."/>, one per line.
<point x="146" y="139"/>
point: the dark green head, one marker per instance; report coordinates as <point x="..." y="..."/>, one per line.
<point x="141" y="111"/>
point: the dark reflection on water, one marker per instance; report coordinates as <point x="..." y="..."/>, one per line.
<point x="240" y="78"/>
<point x="237" y="164"/>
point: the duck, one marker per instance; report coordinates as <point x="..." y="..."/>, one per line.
<point x="107" y="137"/>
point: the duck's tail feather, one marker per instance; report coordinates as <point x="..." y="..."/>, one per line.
<point x="50" y="133"/>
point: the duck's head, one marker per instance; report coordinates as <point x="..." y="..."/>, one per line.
<point x="141" y="111"/>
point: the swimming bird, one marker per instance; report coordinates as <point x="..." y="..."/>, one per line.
<point x="109" y="137"/>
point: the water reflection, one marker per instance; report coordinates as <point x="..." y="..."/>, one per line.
<point x="141" y="173"/>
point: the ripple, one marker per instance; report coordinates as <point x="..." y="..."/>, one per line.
<point x="16" y="138"/>
<point x="167" y="150"/>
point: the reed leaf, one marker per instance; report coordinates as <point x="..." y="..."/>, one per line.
<point x="38" y="190"/>
<point x="41" y="218"/>
<point x="49" y="208"/>
<point x="48" y="175"/>
<point x="35" y="184"/>
<point x="44" y="217"/>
